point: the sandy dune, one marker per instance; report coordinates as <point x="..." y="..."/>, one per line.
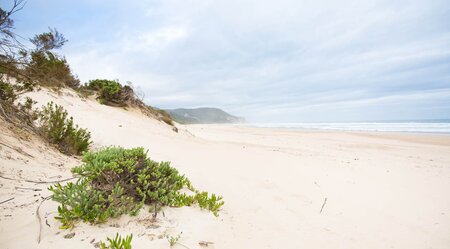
<point x="382" y="190"/>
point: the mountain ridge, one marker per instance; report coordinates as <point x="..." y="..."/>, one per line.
<point x="203" y="115"/>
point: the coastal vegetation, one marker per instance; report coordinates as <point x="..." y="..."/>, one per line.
<point x="24" y="69"/>
<point x="173" y="240"/>
<point x="110" y="182"/>
<point x="116" y="181"/>
<point x="111" y="92"/>
<point x="117" y="242"/>
<point x="59" y="129"/>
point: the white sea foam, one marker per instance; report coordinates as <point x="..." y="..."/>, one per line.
<point x="418" y="127"/>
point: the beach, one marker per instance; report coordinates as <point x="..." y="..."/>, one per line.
<point x="282" y="188"/>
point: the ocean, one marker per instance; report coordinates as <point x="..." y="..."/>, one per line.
<point x="424" y="126"/>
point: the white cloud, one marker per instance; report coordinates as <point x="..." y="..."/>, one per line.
<point x="285" y="57"/>
<point x="158" y="39"/>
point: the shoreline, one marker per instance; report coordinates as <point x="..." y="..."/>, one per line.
<point x="294" y="130"/>
<point x="339" y="127"/>
<point x="342" y="130"/>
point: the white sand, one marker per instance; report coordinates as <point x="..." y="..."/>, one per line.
<point x="383" y="190"/>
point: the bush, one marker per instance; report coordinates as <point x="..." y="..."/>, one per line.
<point x="165" y="117"/>
<point x="7" y="93"/>
<point x="47" y="69"/>
<point x="117" y="181"/>
<point x="159" y="114"/>
<point x="43" y="66"/>
<point x="59" y="129"/>
<point x="118" y="242"/>
<point x="111" y="92"/>
<point x="22" y="114"/>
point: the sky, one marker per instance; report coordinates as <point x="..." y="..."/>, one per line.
<point x="267" y="61"/>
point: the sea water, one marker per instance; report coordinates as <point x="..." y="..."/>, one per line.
<point x="424" y="126"/>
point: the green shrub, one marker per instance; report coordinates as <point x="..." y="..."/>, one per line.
<point x="111" y="92"/>
<point x="59" y="129"/>
<point x="165" y="117"/>
<point x="117" y="181"/>
<point x="43" y="66"/>
<point x="7" y="93"/>
<point x="159" y="114"/>
<point x="47" y="69"/>
<point x="20" y="113"/>
<point x="173" y="240"/>
<point x="212" y="203"/>
<point x="118" y="242"/>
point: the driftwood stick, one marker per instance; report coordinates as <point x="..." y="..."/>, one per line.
<point x="156" y="210"/>
<point x="37" y="182"/>
<point x="39" y="218"/>
<point x="19" y="150"/>
<point x="205" y="243"/>
<point x="3" y="114"/>
<point x="33" y="189"/>
<point x="12" y="198"/>
<point x="323" y="205"/>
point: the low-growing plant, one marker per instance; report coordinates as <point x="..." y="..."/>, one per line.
<point x="118" y="242"/>
<point x="173" y="239"/>
<point x="79" y="201"/>
<point x="12" y="109"/>
<point x="212" y="203"/>
<point x="7" y="93"/>
<point x="117" y="181"/>
<point x="59" y="129"/>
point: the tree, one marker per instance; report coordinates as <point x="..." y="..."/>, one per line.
<point x="45" y="66"/>
<point x="39" y="65"/>
<point x="48" y="41"/>
<point x="8" y="42"/>
<point x="27" y="67"/>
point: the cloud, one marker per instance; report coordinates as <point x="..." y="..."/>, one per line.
<point x="267" y="60"/>
<point x="156" y="40"/>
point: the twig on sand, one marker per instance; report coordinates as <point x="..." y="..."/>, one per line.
<point x="37" y="182"/>
<point x="39" y="218"/>
<point x="205" y="243"/>
<point x="33" y="189"/>
<point x="18" y="149"/>
<point x="323" y="205"/>
<point x="12" y="198"/>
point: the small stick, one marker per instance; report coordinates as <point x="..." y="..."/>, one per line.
<point x="323" y="205"/>
<point x="12" y="198"/>
<point x="34" y="189"/>
<point x="205" y="243"/>
<point x="17" y="149"/>
<point x="156" y="210"/>
<point x="39" y="218"/>
<point x="37" y="182"/>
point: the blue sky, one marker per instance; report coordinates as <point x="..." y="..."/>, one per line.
<point x="268" y="61"/>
